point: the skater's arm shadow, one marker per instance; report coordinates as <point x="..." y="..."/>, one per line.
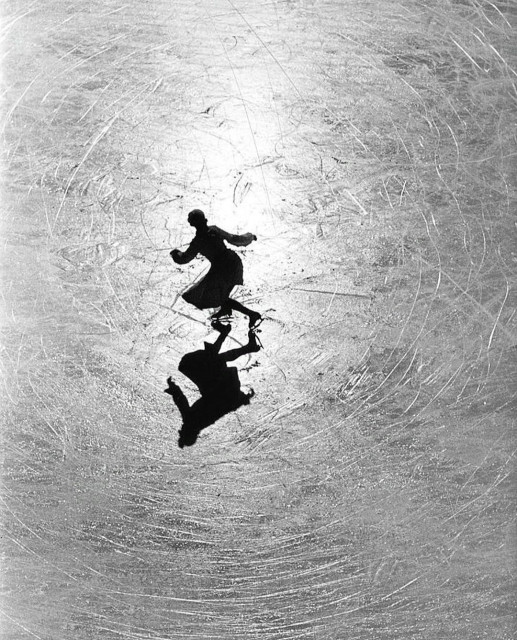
<point x="218" y="384"/>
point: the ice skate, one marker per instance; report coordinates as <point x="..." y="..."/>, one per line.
<point x="223" y="329"/>
<point x="222" y="314"/>
<point x="255" y="320"/>
<point x="254" y="342"/>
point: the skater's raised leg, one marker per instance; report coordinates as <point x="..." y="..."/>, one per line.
<point x="252" y="347"/>
<point x="254" y="316"/>
<point x="223" y="330"/>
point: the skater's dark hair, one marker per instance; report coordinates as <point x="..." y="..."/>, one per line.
<point x="196" y="216"/>
<point x="206" y="414"/>
<point x="187" y="438"/>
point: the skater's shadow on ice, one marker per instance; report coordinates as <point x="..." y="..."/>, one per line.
<point x="218" y="384"/>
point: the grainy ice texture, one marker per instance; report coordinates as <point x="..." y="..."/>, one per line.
<point x="368" y="490"/>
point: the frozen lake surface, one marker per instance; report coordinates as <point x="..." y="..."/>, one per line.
<point x="368" y="489"/>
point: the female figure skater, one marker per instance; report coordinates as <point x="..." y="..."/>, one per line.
<point x="225" y="272"/>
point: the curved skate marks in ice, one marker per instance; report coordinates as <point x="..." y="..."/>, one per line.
<point x="226" y="270"/>
<point x="218" y="384"/>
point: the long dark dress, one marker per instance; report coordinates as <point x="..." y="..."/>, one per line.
<point x="226" y="270"/>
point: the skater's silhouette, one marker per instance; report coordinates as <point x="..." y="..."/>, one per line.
<point x="225" y="272"/>
<point x="218" y="384"/>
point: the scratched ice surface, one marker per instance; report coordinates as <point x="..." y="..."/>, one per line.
<point x="366" y="492"/>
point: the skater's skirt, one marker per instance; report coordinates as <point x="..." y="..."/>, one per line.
<point x="215" y="288"/>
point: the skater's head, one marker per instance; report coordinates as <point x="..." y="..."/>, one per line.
<point x="246" y="395"/>
<point x="187" y="437"/>
<point x="196" y="219"/>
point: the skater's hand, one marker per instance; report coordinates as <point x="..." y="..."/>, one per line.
<point x="172" y="386"/>
<point x="254" y="237"/>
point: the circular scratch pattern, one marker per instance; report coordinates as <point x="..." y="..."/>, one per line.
<point x="366" y="491"/>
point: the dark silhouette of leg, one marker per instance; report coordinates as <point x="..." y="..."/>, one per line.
<point x="254" y="316"/>
<point x="224" y="330"/>
<point x="225" y="310"/>
<point x="232" y="305"/>
<point x="251" y="347"/>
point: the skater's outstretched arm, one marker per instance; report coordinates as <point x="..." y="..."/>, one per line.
<point x="237" y="240"/>
<point x="182" y="257"/>
<point x="180" y="400"/>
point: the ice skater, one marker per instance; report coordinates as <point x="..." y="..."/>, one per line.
<point x="226" y="270"/>
<point x="218" y="384"/>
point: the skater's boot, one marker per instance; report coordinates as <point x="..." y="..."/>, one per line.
<point x="224" y="312"/>
<point x="223" y="329"/>
<point x="254" y="343"/>
<point x="255" y="319"/>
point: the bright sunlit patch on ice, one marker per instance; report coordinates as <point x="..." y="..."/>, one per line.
<point x="237" y="126"/>
<point x="367" y="485"/>
<point x="231" y="183"/>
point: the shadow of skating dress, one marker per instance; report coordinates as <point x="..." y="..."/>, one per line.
<point x="225" y="271"/>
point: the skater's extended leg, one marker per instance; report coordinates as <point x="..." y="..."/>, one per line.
<point x="224" y="330"/>
<point x="254" y="316"/>
<point x="251" y="347"/>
